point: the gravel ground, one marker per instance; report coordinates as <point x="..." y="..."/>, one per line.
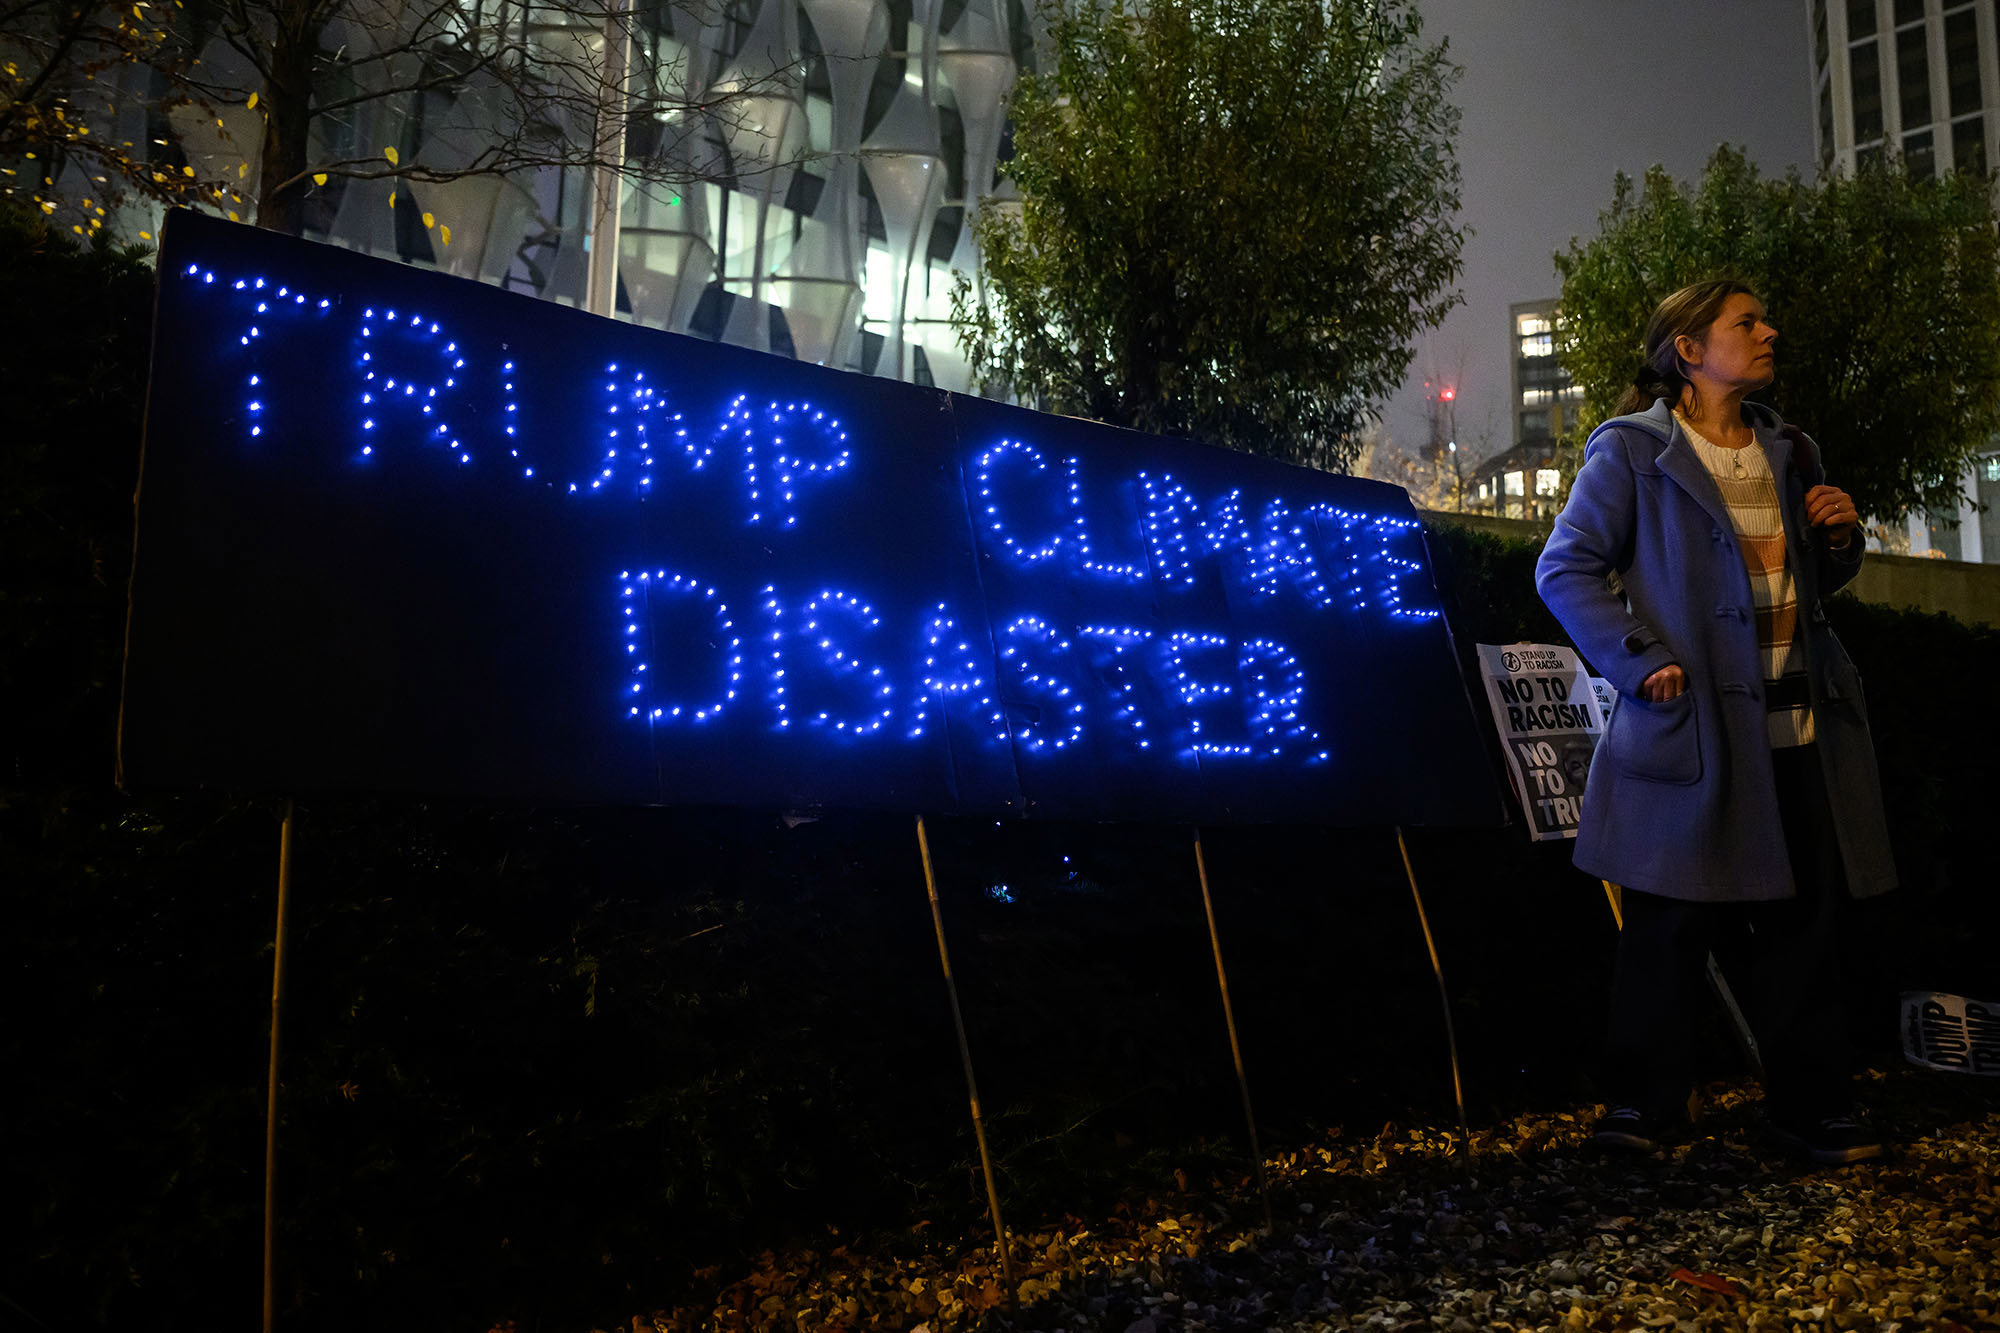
<point x="1533" y="1229"/>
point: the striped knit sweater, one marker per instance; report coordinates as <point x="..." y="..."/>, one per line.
<point x="1748" y="489"/>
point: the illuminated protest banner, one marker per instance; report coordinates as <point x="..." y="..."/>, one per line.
<point x="402" y="532"/>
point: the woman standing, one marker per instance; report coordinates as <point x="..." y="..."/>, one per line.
<point x="1735" y="791"/>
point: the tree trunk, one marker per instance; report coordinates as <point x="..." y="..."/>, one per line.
<point x="288" y="95"/>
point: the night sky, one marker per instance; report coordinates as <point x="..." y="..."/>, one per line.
<point x="1558" y="96"/>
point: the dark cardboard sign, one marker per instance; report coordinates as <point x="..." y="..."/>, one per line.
<point x="400" y="532"/>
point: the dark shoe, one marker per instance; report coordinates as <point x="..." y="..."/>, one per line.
<point x="1629" y="1129"/>
<point x="1833" y="1141"/>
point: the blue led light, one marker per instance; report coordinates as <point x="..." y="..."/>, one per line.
<point x="951" y="672"/>
<point x="656" y="589"/>
<point x="1033" y="659"/>
<point x="773" y="440"/>
<point x="407" y="346"/>
<point x="1081" y="535"/>
<point x="988" y="462"/>
<point x="1152" y="553"/>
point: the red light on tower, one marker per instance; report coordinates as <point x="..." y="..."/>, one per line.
<point x="1449" y="394"/>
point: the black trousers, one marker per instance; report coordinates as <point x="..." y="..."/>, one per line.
<point x="1781" y="958"/>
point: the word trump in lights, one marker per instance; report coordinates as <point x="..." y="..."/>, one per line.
<point x="705" y="650"/>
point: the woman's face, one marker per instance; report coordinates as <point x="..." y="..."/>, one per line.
<point x="1736" y="351"/>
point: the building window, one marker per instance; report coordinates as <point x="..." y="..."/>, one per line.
<point x="1860" y="19"/>
<point x="1537" y="397"/>
<point x="1989" y="467"/>
<point x="1527" y="325"/>
<point x="1909" y="11"/>
<point x="1913" y="77"/>
<point x="1865" y="64"/>
<point x="1534" y="423"/>
<point x="1516" y="483"/>
<point x="1538" y="344"/>
<point x="1961" y="62"/>
<point x="1919" y="159"/>
<point x="1482" y="490"/>
<point x="1548" y="481"/>
<point x="1968" y="146"/>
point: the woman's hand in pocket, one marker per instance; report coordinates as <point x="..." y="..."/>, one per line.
<point x="1669" y="682"/>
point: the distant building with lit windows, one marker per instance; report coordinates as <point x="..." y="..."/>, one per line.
<point x="1921" y="77"/>
<point x="1523" y="481"/>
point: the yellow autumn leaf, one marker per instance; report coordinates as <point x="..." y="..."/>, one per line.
<point x="319" y="178"/>
<point x="242" y="170"/>
<point x="188" y="171"/>
<point x="251" y="105"/>
<point x="444" y="234"/>
<point x="233" y="217"/>
<point x="145" y="235"/>
<point x="392" y="198"/>
<point x="430" y="220"/>
<point x="390" y="153"/>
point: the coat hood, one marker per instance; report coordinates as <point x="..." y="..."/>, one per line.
<point x="1658" y="420"/>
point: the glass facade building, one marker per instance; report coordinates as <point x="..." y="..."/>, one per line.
<point x="1921" y="77"/>
<point x="826" y="195"/>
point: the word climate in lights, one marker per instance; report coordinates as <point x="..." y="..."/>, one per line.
<point x="659" y="569"/>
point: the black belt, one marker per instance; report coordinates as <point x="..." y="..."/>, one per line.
<point x="1788" y="692"/>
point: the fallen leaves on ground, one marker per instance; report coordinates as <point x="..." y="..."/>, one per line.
<point x="1532" y="1229"/>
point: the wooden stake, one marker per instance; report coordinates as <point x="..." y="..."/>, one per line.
<point x="1229" y="1021"/>
<point x="271" y="1100"/>
<point x="965" y="1056"/>
<point x="1444" y="995"/>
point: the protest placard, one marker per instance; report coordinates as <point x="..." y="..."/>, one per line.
<point x="1951" y="1033"/>
<point x="1546" y="709"/>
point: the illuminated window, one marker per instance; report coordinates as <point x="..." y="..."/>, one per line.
<point x="1537" y="397"/>
<point x="1516" y="483"/>
<point x="1548" y="481"/>
<point x="1990" y="467"/>
<point x="1482" y="490"/>
<point x="1532" y="324"/>
<point x="1538" y="344"/>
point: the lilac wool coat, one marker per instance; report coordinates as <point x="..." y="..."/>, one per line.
<point x="1680" y="799"/>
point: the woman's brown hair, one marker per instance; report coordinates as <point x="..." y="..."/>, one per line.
<point x="1687" y="313"/>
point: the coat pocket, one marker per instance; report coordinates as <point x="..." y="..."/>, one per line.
<point x="1656" y="742"/>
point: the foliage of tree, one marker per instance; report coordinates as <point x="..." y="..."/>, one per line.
<point x="63" y="64"/>
<point x="1236" y="216"/>
<point x="1884" y="288"/>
